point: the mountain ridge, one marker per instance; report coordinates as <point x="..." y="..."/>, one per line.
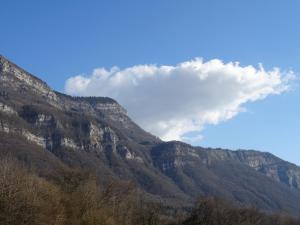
<point x="96" y="133"/>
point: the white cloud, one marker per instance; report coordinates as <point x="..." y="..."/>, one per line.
<point x="193" y="139"/>
<point x="171" y="101"/>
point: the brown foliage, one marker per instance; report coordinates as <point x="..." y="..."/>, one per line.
<point x="26" y="199"/>
<point x="77" y="199"/>
<point x="212" y="211"/>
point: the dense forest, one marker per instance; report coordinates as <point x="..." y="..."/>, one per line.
<point x="75" y="198"/>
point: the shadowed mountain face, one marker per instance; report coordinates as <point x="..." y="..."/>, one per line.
<point x="52" y="131"/>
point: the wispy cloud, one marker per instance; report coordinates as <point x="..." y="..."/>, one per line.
<point x="170" y="101"/>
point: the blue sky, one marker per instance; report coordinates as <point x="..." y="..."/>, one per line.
<point x="59" y="39"/>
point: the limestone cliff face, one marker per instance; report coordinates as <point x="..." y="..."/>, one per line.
<point x="48" y="118"/>
<point x="271" y="166"/>
<point x="21" y="81"/>
<point x="263" y="162"/>
<point x="173" y="155"/>
<point x="12" y="74"/>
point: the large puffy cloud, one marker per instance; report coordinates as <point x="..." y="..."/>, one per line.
<point x="171" y="101"/>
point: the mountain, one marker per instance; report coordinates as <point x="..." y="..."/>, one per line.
<point x="51" y="132"/>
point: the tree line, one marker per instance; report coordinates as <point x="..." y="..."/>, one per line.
<point x="77" y="199"/>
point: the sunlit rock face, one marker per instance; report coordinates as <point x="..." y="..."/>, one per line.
<point x="6" y="109"/>
<point x="22" y="80"/>
<point x="53" y="120"/>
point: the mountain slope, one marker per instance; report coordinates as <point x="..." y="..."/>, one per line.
<point x="226" y="174"/>
<point x="54" y="132"/>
